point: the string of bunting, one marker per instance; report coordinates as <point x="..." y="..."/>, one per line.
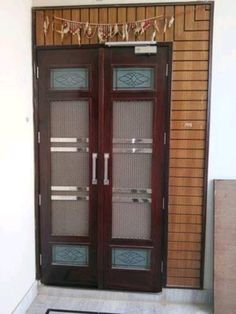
<point x="105" y="32"/>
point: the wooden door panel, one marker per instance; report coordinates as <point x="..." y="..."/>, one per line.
<point x="135" y="121"/>
<point x="68" y="138"/>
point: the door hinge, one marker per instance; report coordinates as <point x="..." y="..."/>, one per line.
<point x="39" y="137"/>
<point x="162" y="267"/>
<point x="167" y="69"/>
<point x="163" y="203"/>
<point x="164" y="138"/>
<point x="40" y="200"/>
<point x="37" y="72"/>
<point x="40" y="259"/>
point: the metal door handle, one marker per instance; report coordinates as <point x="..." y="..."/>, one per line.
<point x="106" y="180"/>
<point x="94" y="169"/>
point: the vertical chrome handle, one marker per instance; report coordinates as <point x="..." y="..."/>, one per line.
<point x="106" y="180"/>
<point x="94" y="168"/>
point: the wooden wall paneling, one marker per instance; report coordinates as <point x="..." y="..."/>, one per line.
<point x="75" y="16"/>
<point x="93" y="15"/>
<point x="84" y="17"/>
<point x="191" y="45"/>
<point x="202" y="13"/>
<point x="196" y="182"/>
<point x="188" y="105"/>
<point x="185" y="190"/>
<point x="186" y="163"/>
<point x="190" y="35"/>
<point x="39" y="28"/>
<point x="57" y="26"/>
<point x="181" y="33"/>
<point x="189" y="76"/>
<point x="183" y="264"/>
<point x="112" y="18"/>
<point x="187" y="134"/>
<point x="185" y="237"/>
<point x="49" y="39"/>
<point x="66" y="14"/>
<point x="183" y="282"/>
<point x="189" y="11"/>
<point x="190" y="66"/>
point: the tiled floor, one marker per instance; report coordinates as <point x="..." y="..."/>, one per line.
<point x="126" y="303"/>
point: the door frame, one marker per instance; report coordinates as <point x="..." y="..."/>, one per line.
<point x="36" y="150"/>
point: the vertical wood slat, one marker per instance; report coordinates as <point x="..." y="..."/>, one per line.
<point x="49" y="37"/>
<point x="57" y="26"/>
<point x="93" y="15"/>
<point x="141" y="15"/>
<point x="75" y="16"/>
<point x="39" y="28"/>
<point x="112" y="18"/>
<point x="84" y="17"/>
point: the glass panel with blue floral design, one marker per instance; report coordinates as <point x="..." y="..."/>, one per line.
<point x="133" y="78"/>
<point x="69" y="78"/>
<point x="73" y="255"/>
<point x="129" y="258"/>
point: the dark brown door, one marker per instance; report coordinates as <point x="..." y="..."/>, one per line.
<point x="102" y="122"/>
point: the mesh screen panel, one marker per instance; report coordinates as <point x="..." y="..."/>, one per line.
<point x="131" y="220"/>
<point x="70" y="169"/>
<point x="70" y="218"/>
<point x="132" y="119"/>
<point x="69" y="118"/>
<point x="132" y="170"/>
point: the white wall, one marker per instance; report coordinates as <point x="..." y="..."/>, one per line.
<point x="17" y="248"/>
<point x="16" y="146"/>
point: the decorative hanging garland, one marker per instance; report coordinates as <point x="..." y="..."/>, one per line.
<point x="105" y="32"/>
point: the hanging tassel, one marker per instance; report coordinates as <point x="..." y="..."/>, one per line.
<point x="100" y="34"/>
<point x="126" y="32"/>
<point x="156" y="27"/>
<point x="115" y="30"/>
<point x="78" y="33"/>
<point x="46" y="25"/>
<point x="65" y="28"/>
<point x="171" y="21"/>
<point x="165" y="26"/>
<point x="154" y="34"/>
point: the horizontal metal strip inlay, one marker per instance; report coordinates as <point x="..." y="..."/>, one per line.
<point x="69" y="198"/>
<point x="69" y="140"/>
<point x="132" y="140"/>
<point x="131" y="200"/>
<point x="126" y="190"/>
<point x="69" y="188"/>
<point x="133" y="150"/>
<point x="69" y="149"/>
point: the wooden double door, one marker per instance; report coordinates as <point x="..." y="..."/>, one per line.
<point x="102" y="123"/>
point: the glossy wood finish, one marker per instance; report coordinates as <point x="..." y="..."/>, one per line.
<point x="100" y="94"/>
<point x="191" y="35"/>
<point x="144" y="280"/>
<point x="54" y="274"/>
